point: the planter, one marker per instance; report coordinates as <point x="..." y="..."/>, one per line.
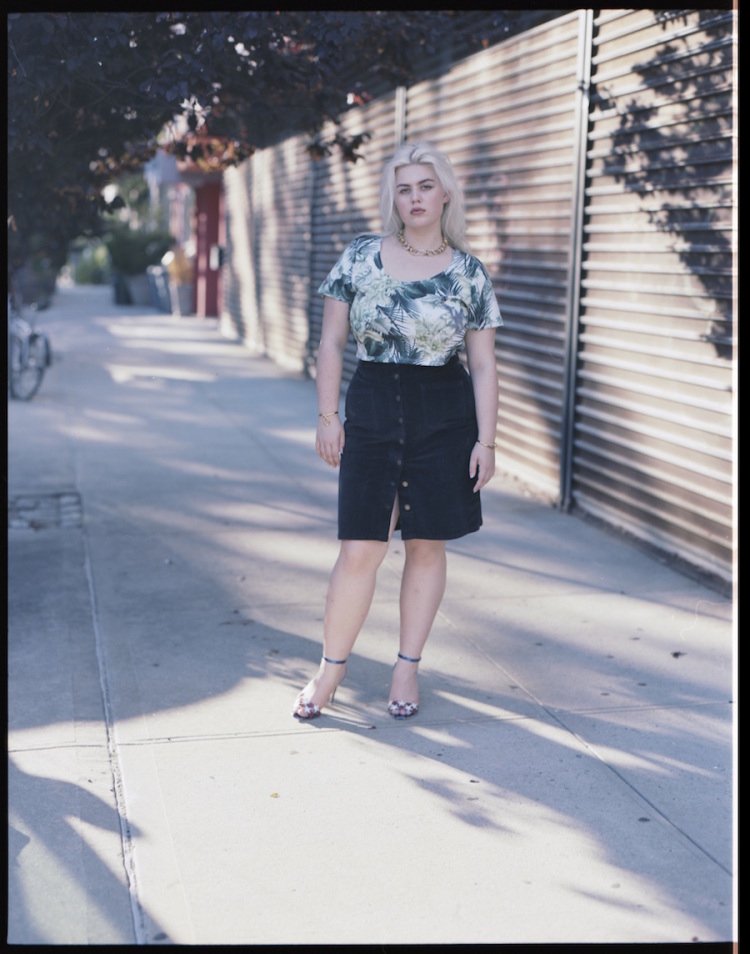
<point x="182" y="299"/>
<point x="160" y="293"/>
<point x="121" y="290"/>
<point x="131" y="252"/>
<point x="139" y="287"/>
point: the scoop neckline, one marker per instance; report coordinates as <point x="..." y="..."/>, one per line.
<point x="411" y="281"/>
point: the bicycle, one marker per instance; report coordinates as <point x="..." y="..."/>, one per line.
<point x="29" y="355"/>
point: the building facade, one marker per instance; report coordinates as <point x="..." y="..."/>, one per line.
<point x="598" y="155"/>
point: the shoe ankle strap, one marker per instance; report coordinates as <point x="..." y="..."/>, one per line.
<point x="334" y="662"/>
<point x="409" y="658"/>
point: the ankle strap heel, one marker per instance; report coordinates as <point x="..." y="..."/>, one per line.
<point x="305" y="709"/>
<point x="399" y="708"/>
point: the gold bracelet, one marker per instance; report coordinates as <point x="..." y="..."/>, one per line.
<point x="491" y="446"/>
<point x="327" y="417"/>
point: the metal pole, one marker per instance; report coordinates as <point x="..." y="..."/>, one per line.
<point x="585" y="44"/>
<point x="399" y="108"/>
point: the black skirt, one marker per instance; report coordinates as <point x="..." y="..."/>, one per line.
<point x="409" y="433"/>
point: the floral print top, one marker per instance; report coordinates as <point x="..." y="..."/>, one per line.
<point x="411" y="322"/>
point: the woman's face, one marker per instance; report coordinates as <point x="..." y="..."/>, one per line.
<point x="419" y="196"/>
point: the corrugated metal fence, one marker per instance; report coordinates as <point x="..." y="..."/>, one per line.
<point x="651" y="434"/>
<point x="598" y="157"/>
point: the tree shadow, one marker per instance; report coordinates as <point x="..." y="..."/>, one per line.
<point x="46" y="818"/>
<point x="672" y="147"/>
<point x="211" y="538"/>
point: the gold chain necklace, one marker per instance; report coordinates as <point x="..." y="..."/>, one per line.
<point x="421" y="251"/>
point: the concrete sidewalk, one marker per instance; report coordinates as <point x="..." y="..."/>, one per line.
<point x="568" y="777"/>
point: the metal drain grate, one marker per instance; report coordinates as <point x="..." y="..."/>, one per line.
<point x="39" y="511"/>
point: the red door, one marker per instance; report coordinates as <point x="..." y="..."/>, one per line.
<point x="209" y="242"/>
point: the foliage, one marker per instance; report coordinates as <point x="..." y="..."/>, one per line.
<point x="93" y="265"/>
<point x="90" y="93"/>
<point x="131" y="251"/>
<point x="134" y="192"/>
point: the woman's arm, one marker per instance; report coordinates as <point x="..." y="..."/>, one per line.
<point x="480" y="352"/>
<point x="329" y="441"/>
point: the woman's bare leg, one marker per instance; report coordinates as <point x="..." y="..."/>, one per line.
<point x="422" y="589"/>
<point x="350" y="592"/>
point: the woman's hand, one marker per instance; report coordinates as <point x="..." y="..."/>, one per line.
<point x="480" y="351"/>
<point x="482" y="463"/>
<point x="329" y="440"/>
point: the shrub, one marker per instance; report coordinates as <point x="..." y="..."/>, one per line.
<point x="92" y="268"/>
<point x="131" y="251"/>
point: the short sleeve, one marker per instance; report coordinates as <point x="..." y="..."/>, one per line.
<point x="485" y="311"/>
<point x="339" y="281"/>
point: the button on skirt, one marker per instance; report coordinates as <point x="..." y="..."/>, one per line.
<point x="409" y="433"/>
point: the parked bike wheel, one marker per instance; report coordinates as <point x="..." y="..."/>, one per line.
<point x="28" y="360"/>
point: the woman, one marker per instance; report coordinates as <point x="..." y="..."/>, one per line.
<point x="418" y="440"/>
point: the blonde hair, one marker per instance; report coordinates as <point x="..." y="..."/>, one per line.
<point x="453" y="220"/>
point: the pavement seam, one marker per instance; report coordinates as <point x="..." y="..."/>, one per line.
<point x="640" y="796"/>
<point x="126" y="839"/>
<point x="556" y="717"/>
